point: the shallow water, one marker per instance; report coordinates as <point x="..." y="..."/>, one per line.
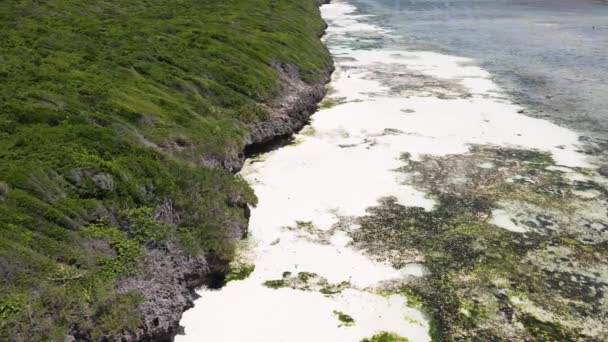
<point x="385" y="99"/>
<point x="552" y="55"/>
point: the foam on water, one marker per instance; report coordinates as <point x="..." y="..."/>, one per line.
<point x="343" y="163"/>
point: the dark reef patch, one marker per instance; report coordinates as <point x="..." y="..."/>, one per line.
<point x="547" y="282"/>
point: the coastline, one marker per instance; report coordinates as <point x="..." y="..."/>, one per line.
<point x="168" y="296"/>
<point x="176" y="157"/>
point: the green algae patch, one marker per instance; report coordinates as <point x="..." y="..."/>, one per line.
<point x="332" y="289"/>
<point x="240" y="272"/>
<point x="307" y="230"/>
<point x="308" y="131"/>
<point x="275" y="284"/>
<point x="307" y="281"/>
<point x="576" y="244"/>
<point x="330" y="102"/>
<point x="545" y="331"/>
<point x="345" y="320"/>
<point x="385" y="337"/>
<point x="240" y="266"/>
<point x="556" y="266"/>
<point x="413" y="300"/>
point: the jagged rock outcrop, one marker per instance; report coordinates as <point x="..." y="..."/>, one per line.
<point x="166" y="284"/>
<point x="289" y="111"/>
<point x="292" y="107"/>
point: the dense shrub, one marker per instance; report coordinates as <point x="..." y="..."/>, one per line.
<point x="108" y="108"/>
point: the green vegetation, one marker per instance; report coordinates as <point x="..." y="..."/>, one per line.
<point x="330" y="102"/>
<point x="385" y="337"/>
<point x="240" y="272"/>
<point x="307" y="281"/>
<point x="307" y="230"/>
<point x="345" y="320"/>
<point x="487" y="283"/>
<point x="110" y="110"/>
<point x="275" y="283"/>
